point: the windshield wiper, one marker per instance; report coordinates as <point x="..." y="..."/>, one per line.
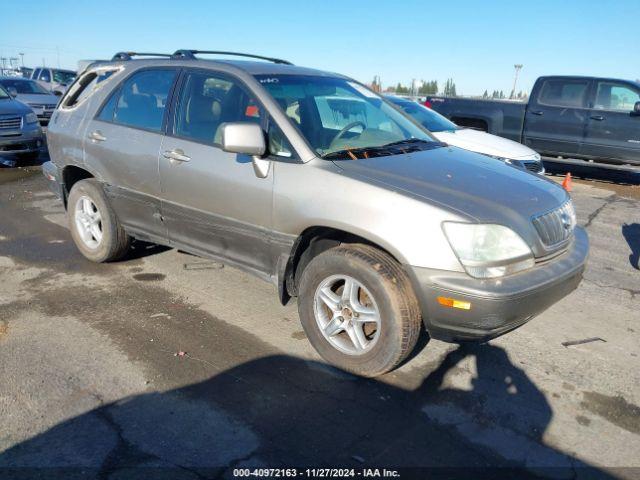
<point x="394" y="148"/>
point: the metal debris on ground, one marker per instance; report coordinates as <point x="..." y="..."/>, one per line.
<point x="571" y="343"/>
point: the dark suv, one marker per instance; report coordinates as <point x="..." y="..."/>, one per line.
<point x="312" y="182"/>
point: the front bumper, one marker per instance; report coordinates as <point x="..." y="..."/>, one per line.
<point x="21" y="141"/>
<point x="496" y="305"/>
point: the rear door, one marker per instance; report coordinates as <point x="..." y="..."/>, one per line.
<point x="212" y="201"/>
<point x="613" y="130"/>
<point x="556" y="119"/>
<point x="122" y="145"/>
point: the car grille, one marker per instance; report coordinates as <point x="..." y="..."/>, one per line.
<point x="43" y="106"/>
<point x="557" y="226"/>
<point x="535" y="167"/>
<point x="10" y="123"/>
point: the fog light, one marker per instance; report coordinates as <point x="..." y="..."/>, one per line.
<point x="453" y="303"/>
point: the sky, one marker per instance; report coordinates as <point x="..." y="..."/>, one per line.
<point x="474" y="43"/>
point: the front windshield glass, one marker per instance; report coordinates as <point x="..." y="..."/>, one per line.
<point x="432" y="121"/>
<point x="3" y="93"/>
<point x="64" y="76"/>
<point x="342" y="119"/>
<point x="24" y="86"/>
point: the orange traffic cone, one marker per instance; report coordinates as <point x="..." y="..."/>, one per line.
<point x="566" y="183"/>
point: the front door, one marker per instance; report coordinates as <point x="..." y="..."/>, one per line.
<point x="556" y="119"/>
<point x="212" y="201"/>
<point x="613" y="131"/>
<point x="122" y="144"/>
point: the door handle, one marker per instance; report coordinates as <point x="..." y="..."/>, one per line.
<point x="176" y="155"/>
<point x="97" y="136"/>
<point x="537" y="112"/>
<point x="599" y="118"/>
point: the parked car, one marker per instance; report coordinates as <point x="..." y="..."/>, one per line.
<point x="55" y="80"/>
<point x="572" y="117"/>
<point x="20" y="132"/>
<point x="41" y="101"/>
<point x="368" y="219"/>
<point x="470" y="139"/>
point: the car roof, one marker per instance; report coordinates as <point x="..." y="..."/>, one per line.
<point x="249" y="66"/>
<point x="20" y="79"/>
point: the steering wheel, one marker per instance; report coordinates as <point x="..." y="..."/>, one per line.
<point x="346" y="129"/>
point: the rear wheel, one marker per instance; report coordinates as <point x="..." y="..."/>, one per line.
<point x="358" y="309"/>
<point x="94" y="226"/>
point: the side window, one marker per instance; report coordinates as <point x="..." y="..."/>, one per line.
<point x="45" y="76"/>
<point x="142" y="99"/>
<point x="85" y="87"/>
<point x="564" y="93"/>
<point x="615" y="96"/>
<point x="109" y="108"/>
<point x="279" y="146"/>
<point x="36" y="73"/>
<point x="206" y="102"/>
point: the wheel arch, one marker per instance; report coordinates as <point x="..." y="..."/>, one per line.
<point x="310" y="243"/>
<point x="71" y="174"/>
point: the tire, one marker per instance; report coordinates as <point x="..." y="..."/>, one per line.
<point x="383" y="287"/>
<point x="114" y="242"/>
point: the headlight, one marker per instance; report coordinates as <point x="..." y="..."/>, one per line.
<point x="31" y="118"/>
<point x="488" y="251"/>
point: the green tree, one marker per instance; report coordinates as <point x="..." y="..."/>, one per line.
<point x="401" y="89"/>
<point x="485" y="94"/>
<point x="449" y="88"/>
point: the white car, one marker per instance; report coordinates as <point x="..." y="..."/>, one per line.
<point x="474" y="140"/>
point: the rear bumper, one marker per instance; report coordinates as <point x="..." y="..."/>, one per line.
<point x="52" y="173"/>
<point x="497" y="305"/>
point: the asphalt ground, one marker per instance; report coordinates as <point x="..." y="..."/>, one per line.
<point x="167" y="365"/>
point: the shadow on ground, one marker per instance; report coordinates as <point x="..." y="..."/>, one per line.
<point x="631" y="233"/>
<point x="281" y="411"/>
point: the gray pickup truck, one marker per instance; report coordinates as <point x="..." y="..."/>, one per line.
<point x="573" y="117"/>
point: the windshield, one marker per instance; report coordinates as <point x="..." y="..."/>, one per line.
<point x="3" y="93"/>
<point x="432" y="121"/>
<point x="64" y="76"/>
<point x="24" y="86"/>
<point x="340" y="118"/>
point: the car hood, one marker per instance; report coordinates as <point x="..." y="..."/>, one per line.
<point x="38" y="99"/>
<point x="485" y="143"/>
<point x="10" y="106"/>
<point x="472" y="186"/>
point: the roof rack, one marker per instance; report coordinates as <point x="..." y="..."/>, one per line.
<point x="191" y="55"/>
<point x="128" y="55"/>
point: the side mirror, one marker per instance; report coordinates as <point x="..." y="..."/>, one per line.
<point x="57" y="93"/>
<point x="636" y="108"/>
<point x="248" y="139"/>
<point x="12" y="91"/>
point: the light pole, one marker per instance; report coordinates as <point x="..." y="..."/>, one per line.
<point x="21" y="58"/>
<point x="518" y="67"/>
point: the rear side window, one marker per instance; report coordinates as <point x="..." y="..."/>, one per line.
<point x="206" y="102"/>
<point x="564" y="93"/>
<point x="141" y="101"/>
<point x="615" y="96"/>
<point x="84" y="87"/>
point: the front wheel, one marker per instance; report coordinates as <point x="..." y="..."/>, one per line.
<point x="358" y="309"/>
<point x="94" y="226"/>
